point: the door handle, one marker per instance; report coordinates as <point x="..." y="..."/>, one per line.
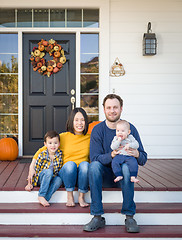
<point x="73" y="101"/>
<point x="72" y="91"/>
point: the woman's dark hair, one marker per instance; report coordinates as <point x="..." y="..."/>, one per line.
<point x="69" y="123"/>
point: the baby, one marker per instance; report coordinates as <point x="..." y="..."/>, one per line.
<point x="121" y="144"/>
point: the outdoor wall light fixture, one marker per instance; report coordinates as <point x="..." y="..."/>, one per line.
<point x="149" y="42"/>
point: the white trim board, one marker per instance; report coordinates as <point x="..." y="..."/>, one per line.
<point x="108" y="197"/>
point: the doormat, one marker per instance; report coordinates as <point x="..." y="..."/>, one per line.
<point x="25" y="160"/>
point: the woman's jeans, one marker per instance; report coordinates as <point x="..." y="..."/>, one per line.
<point x="102" y="176"/>
<point x="72" y="175"/>
<point x="48" y="183"/>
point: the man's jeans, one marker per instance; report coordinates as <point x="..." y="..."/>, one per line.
<point x="48" y="183"/>
<point x="102" y="176"/>
<point x="72" y="175"/>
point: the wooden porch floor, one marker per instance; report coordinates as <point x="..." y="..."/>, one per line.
<point x="156" y="175"/>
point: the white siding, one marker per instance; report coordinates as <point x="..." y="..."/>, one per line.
<point x="152" y="86"/>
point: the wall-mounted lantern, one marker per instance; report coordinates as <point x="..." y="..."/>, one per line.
<point x="149" y="42"/>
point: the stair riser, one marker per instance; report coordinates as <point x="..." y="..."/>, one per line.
<point x="108" y="196"/>
<point x="82" y="218"/>
<point x="90" y="238"/>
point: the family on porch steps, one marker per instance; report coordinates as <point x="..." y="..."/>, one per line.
<point x="75" y="145"/>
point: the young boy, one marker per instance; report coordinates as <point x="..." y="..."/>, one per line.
<point x="121" y="144"/>
<point x="47" y="166"/>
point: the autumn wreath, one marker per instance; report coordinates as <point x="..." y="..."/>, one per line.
<point x="40" y="64"/>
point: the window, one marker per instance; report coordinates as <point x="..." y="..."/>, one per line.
<point x="90" y="75"/>
<point x="49" y="18"/>
<point x="8" y="85"/>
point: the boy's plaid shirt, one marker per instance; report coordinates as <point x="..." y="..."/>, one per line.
<point x="43" y="162"/>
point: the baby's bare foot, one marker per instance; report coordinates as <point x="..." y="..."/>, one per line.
<point x="43" y="202"/>
<point x="118" y="179"/>
<point x="134" y="179"/>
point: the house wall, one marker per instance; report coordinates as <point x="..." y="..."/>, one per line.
<point x="152" y="86"/>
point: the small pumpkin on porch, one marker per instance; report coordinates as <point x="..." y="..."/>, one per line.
<point x="8" y="149"/>
<point x="92" y="125"/>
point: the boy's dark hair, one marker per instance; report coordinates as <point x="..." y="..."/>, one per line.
<point x="113" y="96"/>
<point x="69" y="123"/>
<point x="51" y="134"/>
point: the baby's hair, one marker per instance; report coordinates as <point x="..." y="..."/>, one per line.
<point x="51" y="134"/>
<point x="125" y="123"/>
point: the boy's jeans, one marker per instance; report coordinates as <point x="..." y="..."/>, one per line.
<point x="102" y="176"/>
<point x="48" y="183"/>
<point x="72" y="175"/>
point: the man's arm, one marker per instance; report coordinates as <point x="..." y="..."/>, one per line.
<point x="139" y="153"/>
<point x="97" y="152"/>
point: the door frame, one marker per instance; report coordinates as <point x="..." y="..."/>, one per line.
<point x="104" y="62"/>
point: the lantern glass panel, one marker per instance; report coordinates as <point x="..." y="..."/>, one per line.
<point x="153" y="41"/>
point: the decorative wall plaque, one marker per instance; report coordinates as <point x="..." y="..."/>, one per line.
<point x="117" y="69"/>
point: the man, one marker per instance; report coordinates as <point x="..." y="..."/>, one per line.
<point x="100" y="172"/>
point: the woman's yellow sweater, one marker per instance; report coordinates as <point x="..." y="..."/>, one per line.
<point x="75" y="148"/>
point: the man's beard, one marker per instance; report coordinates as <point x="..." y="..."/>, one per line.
<point x="113" y="119"/>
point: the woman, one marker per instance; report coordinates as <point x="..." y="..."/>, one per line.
<point x="74" y="145"/>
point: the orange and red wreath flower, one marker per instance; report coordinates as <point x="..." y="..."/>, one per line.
<point x="40" y="64"/>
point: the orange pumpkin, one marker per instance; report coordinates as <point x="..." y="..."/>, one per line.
<point x="59" y="65"/>
<point x="92" y="125"/>
<point x="32" y="58"/>
<point x="35" y="69"/>
<point x="57" y="54"/>
<point x="39" y="65"/>
<point x="45" y="43"/>
<point x="49" y="68"/>
<point x="8" y="149"/>
<point x="37" y="59"/>
<point x="41" y="47"/>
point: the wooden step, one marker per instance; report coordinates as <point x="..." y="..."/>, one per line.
<point x="108" y="208"/>
<point x="52" y="231"/>
<point x="59" y="214"/>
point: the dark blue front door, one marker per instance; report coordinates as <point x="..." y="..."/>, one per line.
<point x="46" y="100"/>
